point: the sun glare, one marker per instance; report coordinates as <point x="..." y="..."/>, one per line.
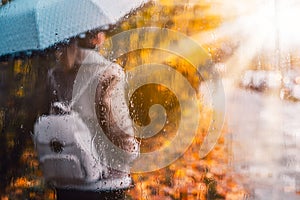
<point x="259" y="27"/>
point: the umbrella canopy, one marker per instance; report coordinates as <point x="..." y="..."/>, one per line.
<point x="38" y="24"/>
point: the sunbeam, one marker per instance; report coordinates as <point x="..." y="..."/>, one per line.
<point x="260" y="27"/>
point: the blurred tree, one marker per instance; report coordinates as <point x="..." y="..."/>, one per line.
<point x="23" y="99"/>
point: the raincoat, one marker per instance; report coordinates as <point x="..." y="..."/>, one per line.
<point x="102" y="106"/>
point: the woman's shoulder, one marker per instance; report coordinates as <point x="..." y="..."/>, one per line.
<point x="89" y="56"/>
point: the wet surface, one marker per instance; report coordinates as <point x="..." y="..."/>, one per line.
<point x="265" y="137"/>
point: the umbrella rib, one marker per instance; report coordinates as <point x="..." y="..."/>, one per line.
<point x="104" y="11"/>
<point x="36" y="27"/>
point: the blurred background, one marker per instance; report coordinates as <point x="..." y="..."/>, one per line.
<point x="254" y="45"/>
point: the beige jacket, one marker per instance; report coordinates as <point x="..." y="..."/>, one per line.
<point x="98" y="95"/>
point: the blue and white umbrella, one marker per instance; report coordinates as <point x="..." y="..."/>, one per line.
<point x="37" y="24"/>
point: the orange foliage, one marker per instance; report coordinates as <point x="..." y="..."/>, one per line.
<point x="191" y="177"/>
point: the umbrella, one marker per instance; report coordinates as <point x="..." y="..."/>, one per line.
<point x="38" y="24"/>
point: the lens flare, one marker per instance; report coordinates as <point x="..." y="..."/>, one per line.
<point x="259" y="27"/>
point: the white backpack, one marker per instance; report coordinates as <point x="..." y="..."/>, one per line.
<point x="66" y="153"/>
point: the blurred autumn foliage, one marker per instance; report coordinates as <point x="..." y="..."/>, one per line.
<point x="192" y="177"/>
<point x="189" y="177"/>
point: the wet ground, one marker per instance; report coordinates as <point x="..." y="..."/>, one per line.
<point x="265" y="139"/>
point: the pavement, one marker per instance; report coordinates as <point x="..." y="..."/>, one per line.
<point x="265" y="140"/>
